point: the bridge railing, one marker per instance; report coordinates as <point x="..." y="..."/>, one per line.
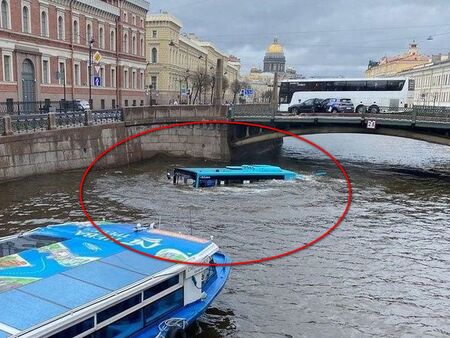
<point x="413" y="114"/>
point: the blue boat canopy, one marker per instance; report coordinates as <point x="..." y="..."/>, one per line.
<point x="51" y="272"/>
<point x="207" y="177"/>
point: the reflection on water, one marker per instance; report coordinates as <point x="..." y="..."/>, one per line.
<point x="384" y="271"/>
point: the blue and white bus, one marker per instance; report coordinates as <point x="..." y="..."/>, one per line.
<point x="373" y="95"/>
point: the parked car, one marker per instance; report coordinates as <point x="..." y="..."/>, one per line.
<point x="308" y="106"/>
<point x="338" y="105"/>
<point x="82" y="105"/>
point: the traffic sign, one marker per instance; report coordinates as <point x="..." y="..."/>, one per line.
<point x="97" y="81"/>
<point x="371" y="124"/>
<point x="97" y="69"/>
<point x="247" y="92"/>
<point x="97" y="57"/>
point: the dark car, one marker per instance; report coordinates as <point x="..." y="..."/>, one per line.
<point x="338" y="105"/>
<point x="308" y="106"/>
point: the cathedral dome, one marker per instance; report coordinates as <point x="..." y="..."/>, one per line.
<point x="275" y="48"/>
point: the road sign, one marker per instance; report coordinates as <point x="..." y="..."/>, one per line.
<point x="97" y="69"/>
<point x="371" y="124"/>
<point x="247" y="92"/>
<point x="97" y="57"/>
<point x="97" y="81"/>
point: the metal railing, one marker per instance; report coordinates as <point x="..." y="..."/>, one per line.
<point x="107" y="116"/>
<point x="70" y="119"/>
<point x="28" y="123"/>
<point x="413" y="114"/>
<point x="37" y="107"/>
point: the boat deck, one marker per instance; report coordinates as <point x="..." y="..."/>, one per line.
<point x="43" y="282"/>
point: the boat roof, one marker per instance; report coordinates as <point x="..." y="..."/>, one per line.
<point x="49" y="272"/>
<point x="243" y="170"/>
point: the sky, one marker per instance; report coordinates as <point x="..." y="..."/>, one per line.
<point x="321" y="37"/>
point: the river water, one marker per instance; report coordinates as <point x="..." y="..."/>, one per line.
<point x="384" y="272"/>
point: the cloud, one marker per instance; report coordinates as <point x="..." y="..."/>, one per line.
<point x="321" y="38"/>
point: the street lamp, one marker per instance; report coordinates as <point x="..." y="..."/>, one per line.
<point x="91" y="42"/>
<point x="61" y="75"/>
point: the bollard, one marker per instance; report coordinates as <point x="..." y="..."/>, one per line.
<point x="8" y="125"/>
<point x="51" y="118"/>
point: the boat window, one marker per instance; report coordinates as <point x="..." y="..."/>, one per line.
<point x="163" y="306"/>
<point x="209" y="275"/>
<point x="118" y="308"/>
<point x="154" y="290"/>
<point x="19" y="244"/>
<point x="124" y="327"/>
<point x="76" y="329"/>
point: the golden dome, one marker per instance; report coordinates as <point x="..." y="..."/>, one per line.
<point x="275" y="47"/>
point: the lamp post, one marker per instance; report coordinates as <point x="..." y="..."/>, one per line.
<point x="61" y="76"/>
<point x="91" y="42"/>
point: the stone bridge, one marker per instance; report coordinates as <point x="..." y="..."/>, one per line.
<point x="420" y="123"/>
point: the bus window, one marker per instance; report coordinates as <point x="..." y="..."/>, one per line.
<point x="377" y="85"/>
<point x="356" y="86"/>
<point x="395" y="84"/>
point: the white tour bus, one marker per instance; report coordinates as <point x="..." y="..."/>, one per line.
<point x="373" y="95"/>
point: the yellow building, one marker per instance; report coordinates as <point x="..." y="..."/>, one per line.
<point x="391" y="66"/>
<point x="177" y="63"/>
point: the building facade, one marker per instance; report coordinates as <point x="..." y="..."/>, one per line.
<point x="391" y="66"/>
<point x="432" y="81"/>
<point x="44" y="47"/>
<point x="274" y="60"/>
<point x="175" y="61"/>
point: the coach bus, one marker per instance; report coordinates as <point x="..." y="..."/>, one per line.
<point x="372" y="95"/>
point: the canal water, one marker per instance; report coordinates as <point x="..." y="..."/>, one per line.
<point x="384" y="272"/>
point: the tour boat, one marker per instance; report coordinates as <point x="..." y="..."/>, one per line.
<point x="69" y="280"/>
<point x="210" y="177"/>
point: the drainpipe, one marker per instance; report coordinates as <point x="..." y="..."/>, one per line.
<point x="118" y="47"/>
<point x="72" y="49"/>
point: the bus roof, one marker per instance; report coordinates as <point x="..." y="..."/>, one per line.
<point x="346" y="79"/>
<point x="52" y="271"/>
<point x="238" y="171"/>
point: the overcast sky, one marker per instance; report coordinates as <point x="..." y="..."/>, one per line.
<point x="321" y="37"/>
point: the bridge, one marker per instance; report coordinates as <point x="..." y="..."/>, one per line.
<point x="431" y="124"/>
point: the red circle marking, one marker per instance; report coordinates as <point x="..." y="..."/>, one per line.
<point x="248" y="262"/>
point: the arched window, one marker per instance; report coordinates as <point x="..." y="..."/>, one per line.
<point x="5" y="14"/>
<point x="44" y="30"/>
<point x="125" y="43"/>
<point x="76" y="31"/>
<point x="25" y="19"/>
<point x="112" y="44"/>
<point x="101" y="38"/>
<point x="154" y="55"/>
<point x="88" y="33"/>
<point x="60" y="28"/>
<point x="142" y="47"/>
<point x="134" y="45"/>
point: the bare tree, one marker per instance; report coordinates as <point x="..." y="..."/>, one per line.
<point x="199" y="83"/>
<point x="266" y="96"/>
<point x="236" y="87"/>
<point x="212" y="85"/>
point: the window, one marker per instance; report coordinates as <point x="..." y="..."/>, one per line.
<point x="101" y="37"/>
<point x="112" y="42"/>
<point x="133" y="79"/>
<point x="126" y="79"/>
<point x="5" y="14"/>
<point x="126" y="103"/>
<point x="134" y="103"/>
<point x="125" y="43"/>
<point x="122" y="328"/>
<point x="134" y="45"/>
<point x="44" y="24"/>
<point x="62" y="73"/>
<point x="60" y="28"/>
<point x="142" y="84"/>
<point x="141" y="46"/>
<point x="154" y="290"/>
<point x="7" y="68"/>
<point x="118" y="308"/>
<point x="113" y="103"/>
<point x="154" y="82"/>
<point x="88" y="33"/>
<point x="134" y="20"/>
<point x="154" y="55"/>
<point x="164" y="305"/>
<point x="76" y="32"/>
<point x="77" y="74"/>
<point x="76" y="329"/>
<point x="113" y="78"/>
<point x="154" y="34"/>
<point x="102" y="104"/>
<point x="25" y="19"/>
<point x="45" y="71"/>
<point x="102" y="76"/>
<point x="125" y="19"/>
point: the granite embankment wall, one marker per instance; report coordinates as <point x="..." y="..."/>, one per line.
<point x="57" y="150"/>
